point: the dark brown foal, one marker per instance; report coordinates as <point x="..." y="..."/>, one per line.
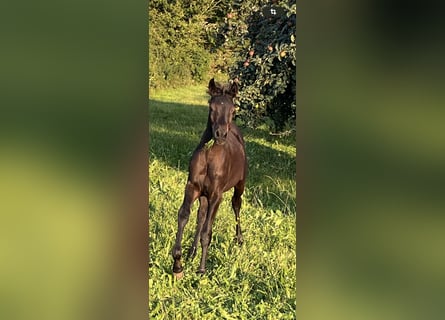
<point x="218" y="164"/>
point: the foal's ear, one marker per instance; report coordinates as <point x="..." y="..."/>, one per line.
<point x="214" y="90"/>
<point x="233" y="90"/>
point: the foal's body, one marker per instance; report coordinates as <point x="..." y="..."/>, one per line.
<point x="217" y="165"/>
<point x="226" y="162"/>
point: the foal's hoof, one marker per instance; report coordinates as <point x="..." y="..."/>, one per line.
<point x="179" y="275"/>
<point x="201" y="272"/>
<point x="239" y="240"/>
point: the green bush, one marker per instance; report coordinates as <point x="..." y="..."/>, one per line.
<point x="177" y="51"/>
<point x="264" y="45"/>
<point x="192" y="41"/>
<point x="181" y="40"/>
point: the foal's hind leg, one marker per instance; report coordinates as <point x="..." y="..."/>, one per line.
<point x="236" y="205"/>
<point x="191" y="193"/>
<point x="202" y="213"/>
<point x="206" y="232"/>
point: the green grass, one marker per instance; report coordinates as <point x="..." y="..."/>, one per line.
<point x="255" y="281"/>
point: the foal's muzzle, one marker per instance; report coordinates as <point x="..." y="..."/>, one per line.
<point x="220" y="134"/>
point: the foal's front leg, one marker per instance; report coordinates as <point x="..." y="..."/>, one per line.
<point x="191" y="193"/>
<point x="236" y="206"/>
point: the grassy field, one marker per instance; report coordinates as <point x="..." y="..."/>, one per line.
<point x="255" y="281"/>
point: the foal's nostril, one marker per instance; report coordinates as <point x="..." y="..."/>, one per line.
<point x="220" y="134"/>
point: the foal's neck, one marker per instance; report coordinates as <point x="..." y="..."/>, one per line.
<point x="207" y="134"/>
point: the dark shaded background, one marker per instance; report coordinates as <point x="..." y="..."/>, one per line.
<point x="73" y="157"/>
<point x="371" y="160"/>
<point x="73" y="154"/>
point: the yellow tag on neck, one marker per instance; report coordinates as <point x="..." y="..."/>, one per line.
<point x="209" y="144"/>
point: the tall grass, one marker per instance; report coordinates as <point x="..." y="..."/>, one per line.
<point x="255" y="281"/>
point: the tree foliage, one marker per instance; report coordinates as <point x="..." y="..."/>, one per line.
<point x="181" y="36"/>
<point x="251" y="41"/>
<point x="263" y="38"/>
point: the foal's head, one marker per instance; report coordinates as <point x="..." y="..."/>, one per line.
<point x="221" y="109"/>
